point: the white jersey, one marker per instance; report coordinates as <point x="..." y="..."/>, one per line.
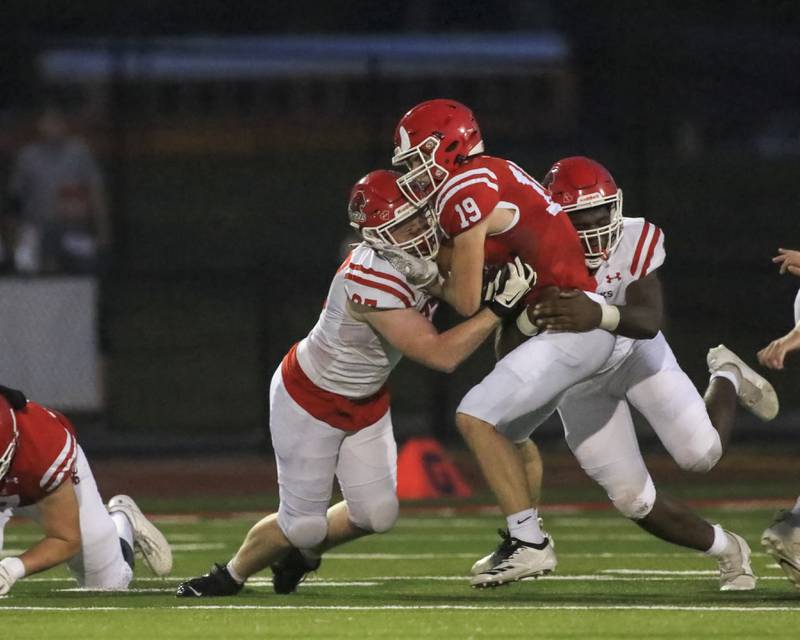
<point x="640" y="251"/>
<point x="346" y="356"/>
<point x="797" y="309"/>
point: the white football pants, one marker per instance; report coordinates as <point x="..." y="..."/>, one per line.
<point x="309" y="453"/>
<point x="599" y="428"/>
<point x="526" y="386"/>
<point x="100" y="564"/>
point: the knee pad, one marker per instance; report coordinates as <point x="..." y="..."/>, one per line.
<point x="703" y="462"/>
<point x="636" y="504"/>
<point x="305" y="532"/>
<point x="377" y="516"/>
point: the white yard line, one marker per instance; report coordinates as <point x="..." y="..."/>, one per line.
<point x="443" y="607"/>
<point x="658" y="572"/>
<point x="198" y="546"/>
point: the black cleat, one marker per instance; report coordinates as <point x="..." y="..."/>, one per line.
<point x="217" y="582"/>
<point x="291" y="570"/>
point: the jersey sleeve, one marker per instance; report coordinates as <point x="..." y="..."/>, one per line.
<point x="375" y="283"/>
<point x="649" y="254"/>
<point x="62" y="465"/>
<point x="48" y="452"/>
<point x="466" y="199"/>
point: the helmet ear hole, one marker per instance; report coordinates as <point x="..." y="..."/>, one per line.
<point x="452" y="146"/>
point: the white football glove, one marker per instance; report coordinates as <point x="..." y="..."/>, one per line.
<point x="505" y="293"/>
<point x="418" y="271"/>
<point x="7" y="576"/>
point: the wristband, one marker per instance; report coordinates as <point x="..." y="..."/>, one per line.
<point x="525" y="325"/>
<point x="14" y="566"/>
<point x="609" y="318"/>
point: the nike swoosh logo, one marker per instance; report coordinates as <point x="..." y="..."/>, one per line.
<point x="524" y="520"/>
<point x="194" y="591"/>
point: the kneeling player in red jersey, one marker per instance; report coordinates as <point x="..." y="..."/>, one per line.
<point x="44" y="475"/>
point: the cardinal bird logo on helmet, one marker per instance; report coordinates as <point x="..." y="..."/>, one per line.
<point x="356" y="209"/>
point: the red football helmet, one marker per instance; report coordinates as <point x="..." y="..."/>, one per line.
<point x="8" y="436"/>
<point x="380" y="213"/>
<point x="578" y="183"/>
<point x="430" y="140"/>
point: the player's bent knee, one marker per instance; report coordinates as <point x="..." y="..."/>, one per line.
<point x="467" y="424"/>
<point x="305" y="532"/>
<point x="706" y="460"/>
<point x="378" y="516"/>
<point x="636" y="504"/>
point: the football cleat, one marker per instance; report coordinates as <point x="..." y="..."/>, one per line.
<point x="291" y="570"/>
<point x="781" y="540"/>
<point x="755" y="393"/>
<point x="217" y="582"/>
<point x="494" y="558"/>
<point x="518" y="560"/>
<point x="735" y="573"/>
<point x="147" y="539"/>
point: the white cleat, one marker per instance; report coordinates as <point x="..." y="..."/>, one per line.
<point x="518" y="561"/>
<point x="148" y="540"/>
<point x="755" y="393"/>
<point x="493" y="559"/>
<point x="735" y="573"/>
<point x="781" y="540"/>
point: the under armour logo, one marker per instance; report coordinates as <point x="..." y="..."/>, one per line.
<point x="611" y="279"/>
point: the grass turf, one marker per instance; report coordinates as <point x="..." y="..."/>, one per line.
<point x="613" y="581"/>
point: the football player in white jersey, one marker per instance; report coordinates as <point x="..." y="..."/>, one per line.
<point x="624" y="255"/>
<point x="773" y="355"/>
<point x="782" y="538"/>
<point x="329" y="404"/>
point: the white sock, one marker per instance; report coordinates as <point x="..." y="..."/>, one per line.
<point x="720" y="543"/>
<point x="234" y="574"/>
<point x="796" y="508"/>
<point x="123" y="525"/>
<point x="524" y="525"/>
<point x="728" y="375"/>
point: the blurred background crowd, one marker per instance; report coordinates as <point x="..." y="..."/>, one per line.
<point x="174" y="182"/>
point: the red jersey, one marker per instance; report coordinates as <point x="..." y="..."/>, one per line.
<point x="45" y="457"/>
<point x="541" y="233"/>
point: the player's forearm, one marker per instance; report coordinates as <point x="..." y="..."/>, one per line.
<point x="792" y="339"/>
<point x="445" y="351"/>
<point x="50" y="552"/>
<point x="464" y="299"/>
<point x="639" y="322"/>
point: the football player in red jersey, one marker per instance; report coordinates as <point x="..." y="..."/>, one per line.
<point x="44" y="475"/>
<point x="492" y="211"/>
<point x="329" y="404"/>
<point x="624" y="255"/>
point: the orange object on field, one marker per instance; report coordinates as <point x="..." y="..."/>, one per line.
<point x="424" y="470"/>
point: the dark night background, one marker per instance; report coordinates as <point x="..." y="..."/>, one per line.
<point x="228" y="190"/>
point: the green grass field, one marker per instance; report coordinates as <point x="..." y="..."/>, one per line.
<point x="613" y="581"/>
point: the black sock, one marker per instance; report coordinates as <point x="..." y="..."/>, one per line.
<point x="127" y="552"/>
